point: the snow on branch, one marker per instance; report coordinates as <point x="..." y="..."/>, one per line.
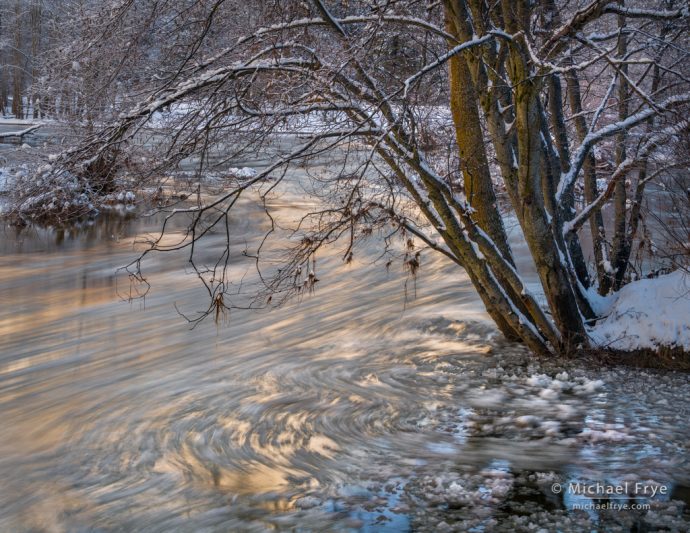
<point x="445" y="57"/>
<point x="579" y="19"/>
<point x="653" y="142"/>
<point x="659" y="14"/>
<point x="306" y="22"/>
<point x="21" y="133"/>
<point x="568" y="179"/>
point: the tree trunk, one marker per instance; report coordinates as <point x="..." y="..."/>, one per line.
<point x="36" y="13"/>
<point x="636" y="208"/>
<point x="620" y="253"/>
<point x="3" y="68"/>
<point x="548" y="261"/>
<point x="474" y="164"/>
<point x="17" y="75"/>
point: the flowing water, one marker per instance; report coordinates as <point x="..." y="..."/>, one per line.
<point x="360" y="407"/>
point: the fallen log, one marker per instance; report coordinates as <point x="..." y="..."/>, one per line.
<point x="21" y="133"/>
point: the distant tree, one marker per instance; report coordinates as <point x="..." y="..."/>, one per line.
<point x="19" y="63"/>
<point x="35" y="13"/>
<point x="4" y="88"/>
<point x="21" y="32"/>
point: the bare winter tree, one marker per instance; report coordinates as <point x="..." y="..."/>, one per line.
<point x="4" y="85"/>
<point x="20" y="52"/>
<point x="558" y="110"/>
<point x="19" y="62"/>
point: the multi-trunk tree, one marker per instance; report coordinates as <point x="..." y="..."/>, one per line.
<point x="451" y="114"/>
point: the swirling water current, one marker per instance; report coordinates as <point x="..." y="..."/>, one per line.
<point x="360" y="407"/>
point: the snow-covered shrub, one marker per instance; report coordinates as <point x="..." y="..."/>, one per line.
<point x="45" y="195"/>
<point x="55" y="195"/>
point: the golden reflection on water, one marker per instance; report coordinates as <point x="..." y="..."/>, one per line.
<point x="115" y="395"/>
<point x="117" y="416"/>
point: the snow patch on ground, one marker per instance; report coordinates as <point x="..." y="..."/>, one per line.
<point x="9" y="177"/>
<point x="647" y="313"/>
<point x="5" y="180"/>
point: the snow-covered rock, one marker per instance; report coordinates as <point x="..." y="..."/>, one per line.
<point x="243" y="173"/>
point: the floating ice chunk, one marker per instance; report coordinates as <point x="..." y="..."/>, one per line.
<point x="592" y="386"/>
<point x="548" y="394"/>
<point x="551" y="428"/>
<point x="539" y="380"/>
<point x="565" y="411"/>
<point x="527" y="421"/>
<point x="489" y="398"/>
<point x="609" y="435"/>
<point x="307" y="502"/>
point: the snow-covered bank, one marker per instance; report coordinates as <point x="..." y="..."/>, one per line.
<point x="18" y="122"/>
<point x="647" y="314"/>
<point x="43" y="196"/>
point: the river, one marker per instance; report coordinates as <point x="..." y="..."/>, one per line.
<point x="361" y="407"/>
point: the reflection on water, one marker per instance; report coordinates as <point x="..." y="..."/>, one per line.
<point x="349" y="410"/>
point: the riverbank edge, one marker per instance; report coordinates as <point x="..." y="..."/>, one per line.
<point x="660" y="358"/>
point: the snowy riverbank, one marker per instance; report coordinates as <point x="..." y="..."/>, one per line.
<point x="647" y="313"/>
